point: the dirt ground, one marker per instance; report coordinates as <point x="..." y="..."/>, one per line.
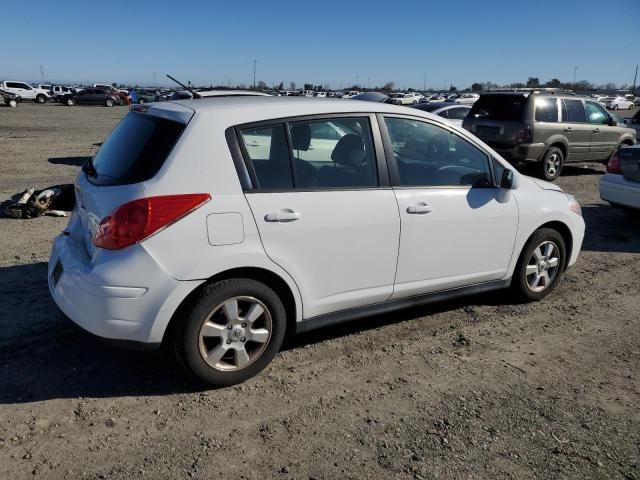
<point x="474" y="389"/>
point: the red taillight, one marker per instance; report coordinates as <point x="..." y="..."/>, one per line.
<point x="134" y="221"/>
<point x="614" y="164"/>
<point x="525" y="135"/>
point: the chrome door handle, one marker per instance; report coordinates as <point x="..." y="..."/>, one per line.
<point x="419" y="209"/>
<point x="283" y="216"/>
<point x="597" y="130"/>
<point x="568" y="129"/>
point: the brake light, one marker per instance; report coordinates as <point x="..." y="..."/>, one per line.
<point x="614" y="164"/>
<point x="134" y="221"/>
<point x="525" y="135"/>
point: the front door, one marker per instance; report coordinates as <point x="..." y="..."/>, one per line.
<point x="321" y="210"/>
<point x="604" y="137"/>
<point x="457" y="228"/>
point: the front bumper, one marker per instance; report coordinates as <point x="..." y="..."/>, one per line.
<point x="618" y="190"/>
<point x="124" y="296"/>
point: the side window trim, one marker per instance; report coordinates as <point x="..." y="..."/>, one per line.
<point x="394" y="173"/>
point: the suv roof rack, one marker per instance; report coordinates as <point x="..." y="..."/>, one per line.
<point x="550" y="91"/>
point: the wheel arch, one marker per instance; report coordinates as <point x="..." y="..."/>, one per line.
<point x="563" y="229"/>
<point x="263" y="275"/>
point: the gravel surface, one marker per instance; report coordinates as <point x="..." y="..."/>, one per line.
<point x="472" y="389"/>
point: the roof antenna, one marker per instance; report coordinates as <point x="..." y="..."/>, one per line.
<point x="192" y="92"/>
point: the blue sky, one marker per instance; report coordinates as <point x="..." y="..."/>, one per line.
<point x="330" y="42"/>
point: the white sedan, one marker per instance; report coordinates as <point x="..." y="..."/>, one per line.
<point x="618" y="103"/>
<point x="620" y="186"/>
<point x="467" y="98"/>
<point x="402" y="99"/>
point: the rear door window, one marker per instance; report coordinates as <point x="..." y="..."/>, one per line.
<point x="547" y="109"/>
<point x="573" y="111"/>
<point x="499" y="107"/>
<point x="268" y="151"/>
<point x="135" y="150"/>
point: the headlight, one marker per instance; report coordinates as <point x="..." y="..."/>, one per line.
<point x="574" y="206"/>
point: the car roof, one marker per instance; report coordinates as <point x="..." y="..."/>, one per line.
<point x="248" y="109"/>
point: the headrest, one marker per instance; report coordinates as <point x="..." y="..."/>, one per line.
<point x="301" y="137"/>
<point x="349" y="150"/>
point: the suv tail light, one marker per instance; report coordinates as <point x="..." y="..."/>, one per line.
<point x="614" y="164"/>
<point x="525" y="134"/>
<point x="134" y="221"/>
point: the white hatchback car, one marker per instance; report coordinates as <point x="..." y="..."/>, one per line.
<point x="212" y="225"/>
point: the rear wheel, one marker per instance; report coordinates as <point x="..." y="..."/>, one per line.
<point x="13" y="103"/>
<point x="71" y="102"/>
<point x="615" y="106"/>
<point x="551" y="166"/>
<point x="109" y="102"/>
<point x="41" y="98"/>
<point x="232" y="332"/>
<point x="540" y="266"/>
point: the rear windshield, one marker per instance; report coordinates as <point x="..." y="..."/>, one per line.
<point x="499" y="107"/>
<point x="135" y="150"/>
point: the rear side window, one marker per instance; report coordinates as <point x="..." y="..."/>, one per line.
<point x="499" y="107"/>
<point x="268" y="151"/>
<point x="547" y="110"/>
<point x="458" y="113"/>
<point x="573" y="111"/>
<point x="136" y="149"/>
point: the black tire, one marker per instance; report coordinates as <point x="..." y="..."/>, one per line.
<point x="551" y="165"/>
<point x="41" y="98"/>
<point x="520" y="281"/>
<point x="70" y="102"/>
<point x="109" y="102"/>
<point x="141" y="101"/>
<point x="189" y="348"/>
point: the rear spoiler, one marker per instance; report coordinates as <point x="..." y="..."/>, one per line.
<point x="170" y="111"/>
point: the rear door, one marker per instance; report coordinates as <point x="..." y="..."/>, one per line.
<point x="325" y="215"/>
<point x="576" y="129"/>
<point x="604" y="137"/>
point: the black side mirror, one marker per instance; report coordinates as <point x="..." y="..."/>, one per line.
<point x="506" y="181"/>
<point x="612" y="122"/>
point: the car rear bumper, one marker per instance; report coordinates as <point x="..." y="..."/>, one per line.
<point x="529" y="152"/>
<point x="135" y="309"/>
<point x="618" y="190"/>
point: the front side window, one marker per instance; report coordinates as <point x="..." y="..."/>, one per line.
<point x="573" y="111"/>
<point x="596" y="114"/>
<point x="546" y="110"/>
<point x="458" y="113"/>
<point x="431" y="156"/>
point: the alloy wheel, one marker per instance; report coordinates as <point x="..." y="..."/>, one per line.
<point x="235" y="334"/>
<point x="542" y="267"/>
<point x="552" y="165"/>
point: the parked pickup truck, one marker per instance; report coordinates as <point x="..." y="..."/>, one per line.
<point x="58" y="91"/>
<point x="25" y="91"/>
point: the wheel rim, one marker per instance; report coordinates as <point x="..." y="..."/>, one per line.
<point x="542" y="267"/>
<point x="235" y="334"/>
<point x="553" y="165"/>
<point x="13" y="103"/>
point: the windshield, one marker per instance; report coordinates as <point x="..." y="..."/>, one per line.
<point x="499" y="107"/>
<point x="135" y="150"/>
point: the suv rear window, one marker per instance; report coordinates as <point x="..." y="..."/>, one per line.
<point x="499" y="107"/>
<point x="135" y="150"/>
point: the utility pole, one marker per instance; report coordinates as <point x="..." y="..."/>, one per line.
<point x="635" y="77"/>
<point x="368" y="83"/>
<point x="42" y="73"/>
<point x="424" y="83"/>
<point x="154" y="79"/>
<point x="575" y="69"/>
<point x="254" y="74"/>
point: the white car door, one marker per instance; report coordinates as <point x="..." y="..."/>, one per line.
<point x="457" y="227"/>
<point x="327" y="220"/>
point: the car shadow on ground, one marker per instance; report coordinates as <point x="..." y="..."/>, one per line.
<point x="73" y="161"/>
<point x="42" y="356"/>
<point x="578" y="170"/>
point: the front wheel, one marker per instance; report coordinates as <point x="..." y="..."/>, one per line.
<point x="13" y="103"/>
<point x="109" y="103"/>
<point x="71" y="102"/>
<point x="540" y="266"/>
<point x="631" y="107"/>
<point x="232" y="332"/>
<point x="551" y="166"/>
<point x="41" y="99"/>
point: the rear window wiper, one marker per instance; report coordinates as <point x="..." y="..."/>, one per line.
<point x="89" y="169"/>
